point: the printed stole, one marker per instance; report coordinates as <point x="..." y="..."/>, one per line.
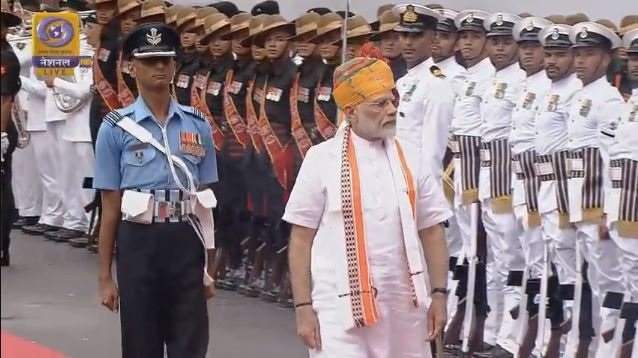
<point x="587" y="163"/>
<point x="280" y="155"/>
<point x="553" y="167"/>
<point x="365" y="311"/>
<point x="233" y="117"/>
<point x="525" y="168"/>
<point x="323" y="124"/>
<point x="103" y="87"/>
<point x="124" y="93"/>
<point x="624" y="177"/>
<point x="497" y="156"/>
<point x="199" y="102"/>
<point x="251" y="118"/>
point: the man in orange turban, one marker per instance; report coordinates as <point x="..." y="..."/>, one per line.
<point x="367" y="251"/>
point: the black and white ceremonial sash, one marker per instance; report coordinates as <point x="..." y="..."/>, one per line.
<point x="525" y="168"/>
<point x="497" y="155"/>
<point x="587" y="163"/>
<point x="469" y="153"/>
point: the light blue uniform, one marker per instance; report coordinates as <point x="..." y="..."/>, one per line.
<point x="123" y="162"/>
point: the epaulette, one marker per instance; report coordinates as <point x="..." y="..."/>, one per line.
<point x="113" y="117"/>
<point x="194" y="111"/>
<point x="437" y="72"/>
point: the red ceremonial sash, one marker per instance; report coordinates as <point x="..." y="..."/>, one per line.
<point x="251" y="119"/>
<point x="124" y="93"/>
<point x="197" y="102"/>
<point x="278" y="153"/>
<point x="103" y="86"/>
<point x="324" y="126"/>
<point x="302" y="139"/>
<point x="232" y="115"/>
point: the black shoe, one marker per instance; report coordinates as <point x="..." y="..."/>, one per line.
<point x="22" y="221"/>
<point x="79" y="242"/>
<point x="500" y="352"/>
<point x="39" y="229"/>
<point x="64" y="235"/>
<point x="4" y="260"/>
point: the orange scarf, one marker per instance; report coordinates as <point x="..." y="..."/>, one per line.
<point x="362" y="292"/>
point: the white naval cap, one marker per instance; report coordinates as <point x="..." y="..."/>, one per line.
<point x="501" y="24"/>
<point x="591" y="34"/>
<point x="471" y="20"/>
<point x="556" y="35"/>
<point x="630" y="41"/>
<point x="415" y="18"/>
<point x="446" y="23"/>
<point x="528" y="28"/>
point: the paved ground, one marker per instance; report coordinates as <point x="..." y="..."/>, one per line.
<point x="49" y="296"/>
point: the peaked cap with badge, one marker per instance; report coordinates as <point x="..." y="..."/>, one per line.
<point x="528" y="28"/>
<point x="416" y="18"/>
<point x="556" y="36"/>
<point x="471" y="20"/>
<point x="630" y="41"/>
<point x="501" y="24"/>
<point x="152" y="40"/>
<point x="591" y="34"/>
<point x="446" y="20"/>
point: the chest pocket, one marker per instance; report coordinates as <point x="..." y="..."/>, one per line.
<point x="139" y="156"/>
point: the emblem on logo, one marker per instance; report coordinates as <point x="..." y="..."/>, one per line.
<point x="55" y="32"/>
<point x="585" y="108"/>
<point x="583" y="33"/>
<point x="553" y="103"/>
<point x="530" y="26"/>
<point x="555" y="34"/>
<point x="500" y="90"/>
<point x="470" y="17"/>
<point x="410" y="15"/>
<point x="153" y="37"/>
<point x="499" y="20"/>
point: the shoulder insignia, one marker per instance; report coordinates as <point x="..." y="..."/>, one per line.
<point x="113" y="117"/>
<point x="194" y="111"/>
<point x="437" y="72"/>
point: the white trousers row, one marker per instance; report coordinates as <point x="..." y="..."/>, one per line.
<point x="48" y="176"/>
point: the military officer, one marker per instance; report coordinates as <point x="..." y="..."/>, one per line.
<point x="525" y="183"/>
<point x="552" y="154"/>
<point x="188" y="63"/>
<point x="593" y="119"/>
<point x="9" y="88"/>
<point x="328" y="29"/>
<point x="426" y="98"/>
<point x="444" y="44"/>
<point x="390" y="43"/>
<point x="308" y="126"/>
<point x="133" y="170"/>
<point x="465" y="128"/>
<point x="622" y="222"/>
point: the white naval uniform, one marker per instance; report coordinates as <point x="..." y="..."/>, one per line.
<point x="468" y="87"/>
<point x="522" y="139"/>
<point x="504" y="248"/>
<point x="76" y="145"/>
<point x="450" y="67"/>
<point x="46" y="151"/>
<point x="551" y="139"/>
<point x="26" y="183"/>
<point x="592" y="121"/>
<point x="315" y="202"/>
<point x="425" y="112"/>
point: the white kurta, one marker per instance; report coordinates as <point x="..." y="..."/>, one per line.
<point x="315" y="203"/>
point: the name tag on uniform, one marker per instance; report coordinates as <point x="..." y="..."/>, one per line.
<point x="214" y="88"/>
<point x="103" y="54"/>
<point x="191" y="143"/>
<point x="324" y="94"/>
<point x="257" y="94"/>
<point x="274" y="94"/>
<point x="303" y="95"/>
<point x="182" y="81"/>
<point x="200" y="81"/>
<point x="235" y="87"/>
<point x="408" y="94"/>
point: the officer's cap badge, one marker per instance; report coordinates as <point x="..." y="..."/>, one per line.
<point x="555" y="34"/>
<point x="470" y="17"/>
<point x="583" y="33"/>
<point x="499" y="20"/>
<point x="410" y="15"/>
<point x="437" y="72"/>
<point x="153" y="37"/>
<point x="530" y="26"/>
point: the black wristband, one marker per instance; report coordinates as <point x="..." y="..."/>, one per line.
<point x="297" y="305"/>
<point x="440" y="290"/>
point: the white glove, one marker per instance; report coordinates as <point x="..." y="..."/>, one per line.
<point x="5" y="143"/>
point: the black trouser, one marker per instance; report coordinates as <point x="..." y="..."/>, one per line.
<point x="8" y="205"/>
<point x="232" y="215"/>
<point x="160" y="270"/>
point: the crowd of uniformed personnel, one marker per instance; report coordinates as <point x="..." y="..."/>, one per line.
<point x="264" y="83"/>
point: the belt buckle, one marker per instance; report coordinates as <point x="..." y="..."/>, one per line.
<point x="169" y="210"/>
